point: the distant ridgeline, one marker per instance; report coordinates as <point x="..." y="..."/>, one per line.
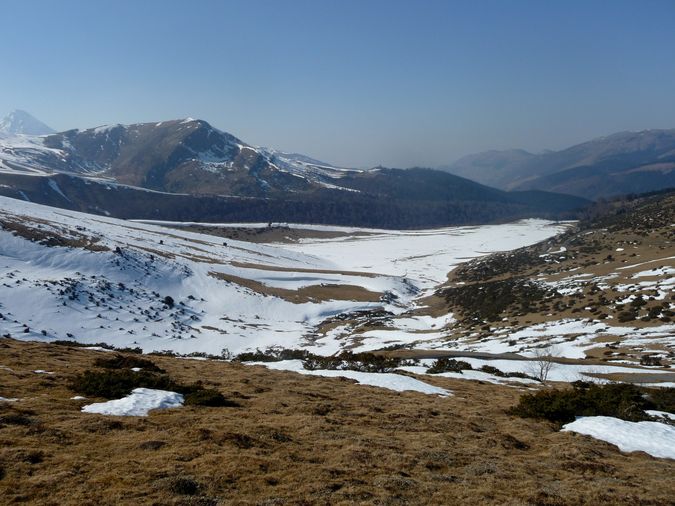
<point x="186" y="170"/>
<point x="622" y="163"/>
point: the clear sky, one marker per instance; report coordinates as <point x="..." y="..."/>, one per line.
<point x="357" y="83"/>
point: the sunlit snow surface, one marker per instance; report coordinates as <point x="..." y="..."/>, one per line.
<point x="656" y="439"/>
<point x="138" y="403"/>
<point x="390" y="381"/>
<point x="116" y="296"/>
<point x="426" y="256"/>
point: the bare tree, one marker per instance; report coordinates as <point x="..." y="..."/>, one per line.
<point x="542" y="363"/>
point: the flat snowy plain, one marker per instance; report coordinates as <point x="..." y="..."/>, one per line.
<point x="116" y="295"/>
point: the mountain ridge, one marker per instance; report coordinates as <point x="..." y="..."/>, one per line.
<point x="620" y="163"/>
<point x="200" y="173"/>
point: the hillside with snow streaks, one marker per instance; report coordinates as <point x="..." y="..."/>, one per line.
<point x="98" y="279"/>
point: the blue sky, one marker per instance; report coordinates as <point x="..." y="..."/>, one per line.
<point x="358" y="83"/>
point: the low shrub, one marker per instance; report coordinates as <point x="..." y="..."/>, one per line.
<point x="448" y="365"/>
<point x="126" y="362"/>
<point x="184" y="486"/>
<point x="624" y="401"/>
<point x="362" y="362"/>
<point x="16" y="419"/>
<point x="77" y="344"/>
<point x="272" y="355"/>
<point x="113" y="383"/>
<point x="116" y="383"/>
<point x="497" y="372"/>
<point x="209" y="397"/>
<point x="651" y="360"/>
<point x="492" y="370"/>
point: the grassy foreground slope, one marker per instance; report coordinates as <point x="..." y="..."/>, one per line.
<point x="297" y="440"/>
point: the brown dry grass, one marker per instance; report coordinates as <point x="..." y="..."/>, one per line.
<point x="298" y="440"/>
<point x="313" y="293"/>
<point x="274" y="234"/>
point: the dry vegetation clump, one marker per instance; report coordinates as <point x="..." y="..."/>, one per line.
<point x="487" y="301"/>
<point x="624" y="401"/>
<point x="119" y="379"/>
<point x="346" y="360"/>
<point x="297" y="440"/>
<point x="442" y="365"/>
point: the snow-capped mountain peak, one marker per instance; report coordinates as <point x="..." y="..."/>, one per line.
<point x="20" y="122"/>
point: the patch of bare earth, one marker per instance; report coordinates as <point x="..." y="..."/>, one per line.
<point x="313" y="293"/>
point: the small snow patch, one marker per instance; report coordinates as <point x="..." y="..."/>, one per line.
<point x="656" y="439"/>
<point x="138" y="403"/>
<point x="660" y="414"/>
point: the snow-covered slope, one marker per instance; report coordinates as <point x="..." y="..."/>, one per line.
<point x="28" y="154"/>
<point x="20" y="122"/>
<point x="180" y="155"/>
<point x="67" y="275"/>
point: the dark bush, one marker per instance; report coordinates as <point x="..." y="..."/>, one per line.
<point x="116" y="383"/>
<point x="624" y="401"/>
<point x="152" y="445"/>
<point x="209" y="397"/>
<point x="272" y="355"/>
<point x="184" y="486"/>
<point x="77" y="344"/>
<point x="362" y="362"/>
<point x="662" y="398"/>
<point x="369" y="362"/>
<point x="137" y="351"/>
<point x="34" y="457"/>
<point x="113" y="384"/>
<point x="627" y="316"/>
<point x="15" y="419"/>
<point x="650" y="360"/>
<point x="168" y="300"/>
<point x="492" y="370"/>
<point x="448" y="365"/>
<point x="126" y="362"/>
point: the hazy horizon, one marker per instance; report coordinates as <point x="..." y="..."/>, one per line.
<point x="356" y="83"/>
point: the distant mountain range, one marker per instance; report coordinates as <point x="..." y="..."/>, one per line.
<point x="188" y="170"/>
<point x="622" y="163"/>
